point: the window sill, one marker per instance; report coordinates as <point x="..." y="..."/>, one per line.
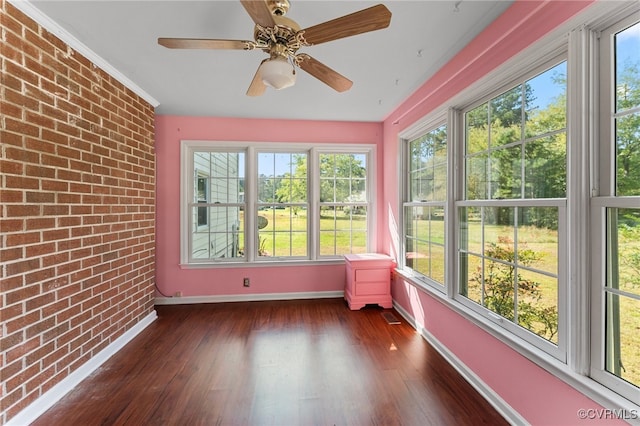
<point x="582" y="383"/>
<point x="261" y="264"/>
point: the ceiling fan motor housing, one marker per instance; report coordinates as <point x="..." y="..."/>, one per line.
<point x="278" y="7"/>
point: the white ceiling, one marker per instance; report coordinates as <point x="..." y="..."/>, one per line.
<point x="386" y="66"/>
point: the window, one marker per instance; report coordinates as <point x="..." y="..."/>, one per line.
<point x="282" y="204"/>
<point x="512" y="216"/>
<point x="247" y="203"/>
<point x="542" y="205"/>
<point x="217" y="227"/>
<point x="424" y="206"/>
<point x="343" y="203"/>
<point x="616" y="212"/>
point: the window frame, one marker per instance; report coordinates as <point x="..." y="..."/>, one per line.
<point x="370" y="192"/>
<point x="250" y="203"/>
<point x="545" y="63"/>
<point x="423" y="127"/>
<point x="605" y="198"/>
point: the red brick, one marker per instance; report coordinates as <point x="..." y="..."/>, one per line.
<point x="37" y="170"/>
<point x="22" y="294"/>
<point x="11" y="283"/>
<point x="78" y="170"/>
<point x="22" y="210"/>
<point x="11" y="225"/>
<point x="20" y="182"/>
<point x="39" y="276"/>
<point x="22" y="155"/>
<point x="40" y="197"/>
<point x="22" y="239"/>
<point x="40" y="249"/>
<point x="55" y="210"/>
<point x="39" y="223"/>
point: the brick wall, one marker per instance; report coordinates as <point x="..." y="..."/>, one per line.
<point x="77" y="216"/>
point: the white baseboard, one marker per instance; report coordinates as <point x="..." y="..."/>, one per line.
<point x="505" y="410"/>
<point x="53" y="395"/>
<point x="254" y="297"/>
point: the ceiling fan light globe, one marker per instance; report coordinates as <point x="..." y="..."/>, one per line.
<point x="278" y="73"/>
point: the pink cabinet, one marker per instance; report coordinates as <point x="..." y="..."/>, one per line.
<point x="368" y="277"/>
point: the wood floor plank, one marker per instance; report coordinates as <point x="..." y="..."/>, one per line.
<point x="311" y="362"/>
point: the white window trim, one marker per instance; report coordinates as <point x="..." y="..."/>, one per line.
<point x="429" y="123"/>
<point x="251" y="150"/>
<point x="371" y="154"/>
<point x="576" y="37"/>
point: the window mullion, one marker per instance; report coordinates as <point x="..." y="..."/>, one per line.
<point x="580" y="128"/>
<point x="313" y="183"/>
<point x="454" y="192"/>
<point x="251" y="203"/>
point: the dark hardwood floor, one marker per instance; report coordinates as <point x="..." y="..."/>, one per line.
<point x="309" y="362"/>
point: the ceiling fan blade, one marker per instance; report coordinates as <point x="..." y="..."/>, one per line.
<point x="196" y="43"/>
<point x="323" y="73"/>
<point x="370" y="19"/>
<point x="259" y="12"/>
<point x="257" y="86"/>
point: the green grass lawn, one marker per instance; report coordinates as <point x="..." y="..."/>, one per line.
<point x="286" y="233"/>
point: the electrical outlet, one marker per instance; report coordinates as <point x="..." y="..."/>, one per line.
<point x="246" y="282"/>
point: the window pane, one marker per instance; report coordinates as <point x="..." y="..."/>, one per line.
<point x="506" y="117"/>
<point x="477" y="129"/>
<point x="622" y="337"/>
<point x="504" y="176"/>
<point x="439" y="182"/>
<point x="506" y="173"/>
<point x="538" y="238"/>
<point x="282" y="177"/>
<point x="343" y="230"/>
<point x="627" y="123"/>
<point x="546" y="98"/>
<point x="285" y="233"/>
<point x="223" y="238"/>
<point x="422" y="182"/>
<point x="220" y="177"/>
<point x="472" y="278"/>
<point x="476" y="187"/>
<point x="511" y="276"/>
<point x="628" y="153"/>
<point x="545" y="167"/>
<point x="471" y="229"/>
<point x="627" y="47"/>
<point x="624" y="250"/>
<point x="538" y="304"/>
<point x="343" y="178"/>
<point x="437" y="263"/>
<point x="424" y="241"/>
<point x="498" y="228"/>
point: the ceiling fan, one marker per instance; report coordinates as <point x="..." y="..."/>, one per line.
<point x="281" y="38"/>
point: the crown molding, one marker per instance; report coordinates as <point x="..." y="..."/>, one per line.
<point x="26" y="7"/>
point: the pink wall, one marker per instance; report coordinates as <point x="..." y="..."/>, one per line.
<point x="170" y="130"/>
<point x="536" y="394"/>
